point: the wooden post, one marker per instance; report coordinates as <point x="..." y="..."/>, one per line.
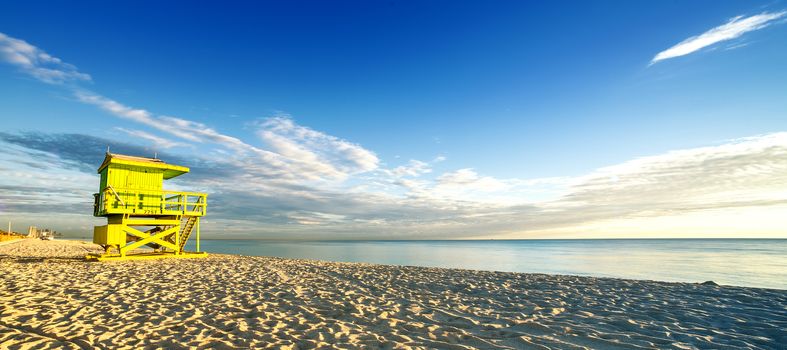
<point x="177" y="235"/>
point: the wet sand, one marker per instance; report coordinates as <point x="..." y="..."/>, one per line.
<point x="51" y="298"/>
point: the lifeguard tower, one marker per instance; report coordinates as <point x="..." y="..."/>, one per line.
<point x="141" y="213"/>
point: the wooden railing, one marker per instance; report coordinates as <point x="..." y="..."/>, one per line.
<point x="113" y="200"/>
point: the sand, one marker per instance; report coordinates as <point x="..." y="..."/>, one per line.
<point x="51" y="298"/>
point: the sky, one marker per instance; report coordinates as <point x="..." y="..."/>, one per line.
<point x="406" y="120"/>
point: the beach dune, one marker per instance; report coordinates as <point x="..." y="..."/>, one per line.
<point x="51" y="298"/>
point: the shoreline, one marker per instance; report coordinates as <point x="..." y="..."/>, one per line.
<point x="590" y="275"/>
<point x="52" y="298"/>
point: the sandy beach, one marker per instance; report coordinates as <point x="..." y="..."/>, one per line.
<point x="51" y="298"/>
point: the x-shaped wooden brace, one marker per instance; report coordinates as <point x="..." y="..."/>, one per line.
<point x="157" y="238"/>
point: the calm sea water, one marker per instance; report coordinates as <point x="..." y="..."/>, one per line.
<point x="741" y="262"/>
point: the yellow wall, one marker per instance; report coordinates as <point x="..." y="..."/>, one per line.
<point x="121" y="176"/>
<point x="127" y="181"/>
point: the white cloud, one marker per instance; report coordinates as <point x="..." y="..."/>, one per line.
<point x="413" y="168"/>
<point x="116" y="108"/>
<point x="38" y="63"/>
<point x="748" y="169"/>
<point x="307" y="182"/>
<point x="467" y="185"/>
<point x="182" y="128"/>
<point x="315" y="218"/>
<point x="297" y="152"/>
<point x="328" y="155"/>
<point x="679" y="188"/>
<point x="157" y="141"/>
<point x="736" y="27"/>
<point x="675" y="188"/>
<point x="459" y="177"/>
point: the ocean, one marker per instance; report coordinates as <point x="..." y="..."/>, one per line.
<point x="739" y="262"/>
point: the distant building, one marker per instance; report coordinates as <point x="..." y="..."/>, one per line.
<point x="42" y="233"/>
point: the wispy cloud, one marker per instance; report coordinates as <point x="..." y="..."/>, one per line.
<point x="413" y="168"/>
<point x="749" y="169"/>
<point x="329" y="153"/>
<point x="295" y="181"/>
<point x="295" y="151"/>
<point x="733" y="29"/>
<point x="736" y="175"/>
<point x="185" y="129"/>
<point x="37" y="62"/>
<point x="157" y="141"/>
<point x="467" y="180"/>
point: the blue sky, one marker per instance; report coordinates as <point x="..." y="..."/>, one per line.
<point x="408" y="119"/>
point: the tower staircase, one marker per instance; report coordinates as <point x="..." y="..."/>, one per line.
<point x="187" y="225"/>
